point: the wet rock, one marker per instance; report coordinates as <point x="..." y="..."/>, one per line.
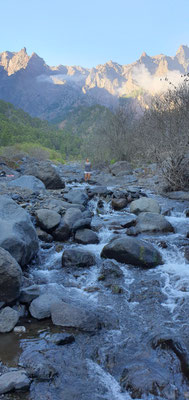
<point x="40" y="307"/>
<point x="118" y="204"/>
<point x="187" y="213"/>
<point x="186" y="253"/>
<point x="61" y="339"/>
<point x="152" y="222"/>
<point x="8" y="319"/>
<point x="178" y="195"/>
<point x="144" y="205"/>
<point x="121" y="168"/>
<point x="14" y="380"/>
<point x="110" y="272"/>
<point x="99" y="190"/>
<point x="71" y="216"/>
<point x="128" y="222"/>
<point x="132" y="251"/>
<point x="86" y="236"/>
<point x="81" y="224"/>
<point x="10" y="277"/>
<point x="38" y="365"/>
<point x="29" y="293"/>
<point x="47" y="219"/>
<point x="61" y="206"/>
<point x="17" y="233"/>
<point x="77" y="258"/>
<point x="44" y="236"/>
<point x="62" y="232"/>
<point x="76" y="196"/>
<point x="28" y="182"/>
<point x="44" y="171"/>
<point x="71" y="316"/>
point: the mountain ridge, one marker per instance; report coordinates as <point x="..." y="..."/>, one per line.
<point x="44" y="91"/>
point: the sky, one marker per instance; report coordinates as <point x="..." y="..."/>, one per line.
<point x="88" y="33"/>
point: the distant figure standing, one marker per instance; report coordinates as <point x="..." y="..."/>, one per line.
<point x="87" y="170"/>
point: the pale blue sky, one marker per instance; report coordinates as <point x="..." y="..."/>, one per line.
<point x="87" y="33"/>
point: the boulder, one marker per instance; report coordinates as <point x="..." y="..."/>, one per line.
<point x="132" y="251"/>
<point x="178" y="195"/>
<point x="77" y="196"/>
<point x="121" y="168"/>
<point x="61" y="206"/>
<point x="8" y="319"/>
<point x="62" y="232"/>
<point x="48" y="174"/>
<point x="47" y="219"/>
<point x="81" y="224"/>
<point x="17" y="233"/>
<point x="27" y="182"/>
<point x="71" y="316"/>
<point x="40" y="307"/>
<point x="38" y="365"/>
<point x="99" y="191"/>
<point x="77" y="258"/>
<point x="118" y="204"/>
<point x="144" y="204"/>
<point x="30" y="293"/>
<point x="71" y="216"/>
<point x="14" y="380"/>
<point x="86" y="236"/>
<point x="152" y="222"/>
<point x="44" y="236"/>
<point x="10" y="277"/>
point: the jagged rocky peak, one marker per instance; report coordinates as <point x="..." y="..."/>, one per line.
<point x="17" y="61"/>
<point x="182" y="53"/>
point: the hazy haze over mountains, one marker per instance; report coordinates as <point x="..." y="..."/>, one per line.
<point x="44" y="91"/>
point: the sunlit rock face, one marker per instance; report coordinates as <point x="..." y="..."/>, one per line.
<point x="43" y="91"/>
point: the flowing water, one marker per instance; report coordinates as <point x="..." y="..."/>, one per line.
<point x="150" y="304"/>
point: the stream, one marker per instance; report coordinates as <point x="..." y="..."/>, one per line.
<point x="143" y="350"/>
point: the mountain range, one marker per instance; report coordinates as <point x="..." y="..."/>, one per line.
<point x="51" y="92"/>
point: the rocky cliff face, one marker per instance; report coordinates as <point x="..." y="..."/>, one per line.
<point x="43" y="91"/>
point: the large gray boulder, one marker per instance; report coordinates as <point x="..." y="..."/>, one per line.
<point x="86" y="236"/>
<point x="62" y="232"/>
<point x="8" y="319"/>
<point x="152" y="222"/>
<point x="71" y="316"/>
<point x="77" y="258"/>
<point x="40" y="307"/>
<point x="82" y="223"/>
<point x="144" y="204"/>
<point x="10" y="277"/>
<point x="132" y="251"/>
<point x="48" y="174"/>
<point x="76" y="196"/>
<point x="14" y="380"/>
<point x="27" y="182"/>
<point x="47" y="219"/>
<point x="17" y="233"/>
<point x="121" y="168"/>
<point x="71" y="216"/>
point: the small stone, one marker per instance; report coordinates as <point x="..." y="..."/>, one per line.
<point x="19" y="329"/>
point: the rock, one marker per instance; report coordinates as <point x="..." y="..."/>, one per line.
<point x="186" y="254"/>
<point x="30" y="293"/>
<point x="61" y="339"/>
<point x="71" y="216"/>
<point x="38" y="365"/>
<point x="118" y="204"/>
<point x="77" y="196"/>
<point x="86" y="236"/>
<point x="40" y="307"/>
<point x="17" y="233"/>
<point x="152" y="222"/>
<point x="10" y="277"/>
<point x="44" y="236"/>
<point x="121" y="168"/>
<point x="62" y="232"/>
<point x="178" y="195"/>
<point x="14" y="380"/>
<point x="19" y="329"/>
<point x="28" y="182"/>
<point x="61" y="206"/>
<point x="44" y="171"/>
<point x="132" y="251"/>
<point x="8" y="319"/>
<point x="99" y="191"/>
<point x="187" y="213"/>
<point x="77" y="258"/>
<point x="71" y="316"/>
<point x="81" y="224"/>
<point x="144" y="204"/>
<point x="47" y="219"/>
